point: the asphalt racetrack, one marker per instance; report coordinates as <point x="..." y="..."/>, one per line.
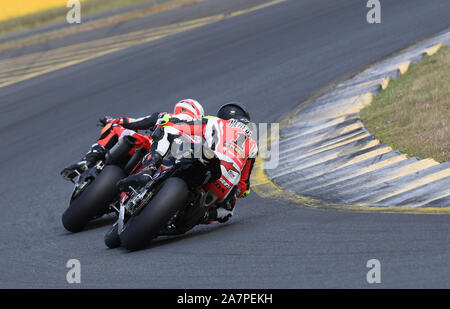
<point x="270" y="59"/>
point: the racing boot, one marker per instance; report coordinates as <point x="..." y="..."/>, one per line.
<point x="94" y="155"/>
<point x="151" y="163"/>
<point x="222" y="213"/>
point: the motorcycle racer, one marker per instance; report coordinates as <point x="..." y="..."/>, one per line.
<point x="228" y="135"/>
<point x="116" y="128"/>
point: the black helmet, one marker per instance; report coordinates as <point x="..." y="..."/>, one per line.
<point x="233" y="110"/>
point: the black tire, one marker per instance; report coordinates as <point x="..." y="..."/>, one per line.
<point x="94" y="200"/>
<point x="112" y="239"/>
<point x="142" y="228"/>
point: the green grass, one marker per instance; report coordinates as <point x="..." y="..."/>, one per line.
<point x="59" y="14"/>
<point x="413" y="114"/>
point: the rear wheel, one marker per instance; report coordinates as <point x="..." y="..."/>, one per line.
<point x="94" y="200"/>
<point x="142" y="228"/>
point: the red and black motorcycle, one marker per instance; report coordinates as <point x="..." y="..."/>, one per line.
<point x="173" y="201"/>
<point x="95" y="193"/>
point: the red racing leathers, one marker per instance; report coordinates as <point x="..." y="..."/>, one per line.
<point x="115" y="129"/>
<point x="232" y="142"/>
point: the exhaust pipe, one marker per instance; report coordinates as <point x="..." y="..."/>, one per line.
<point x="135" y="159"/>
<point x="119" y="153"/>
<point x="208" y="199"/>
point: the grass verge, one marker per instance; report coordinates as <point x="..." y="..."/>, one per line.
<point x="413" y="114"/>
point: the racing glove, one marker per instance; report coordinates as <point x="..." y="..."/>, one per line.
<point x="105" y="120"/>
<point x="244" y="194"/>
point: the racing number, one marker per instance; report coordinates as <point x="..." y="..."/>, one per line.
<point x="240" y="140"/>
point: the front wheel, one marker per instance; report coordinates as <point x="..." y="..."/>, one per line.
<point x="94" y="200"/>
<point x="112" y="239"/>
<point x="142" y="228"/>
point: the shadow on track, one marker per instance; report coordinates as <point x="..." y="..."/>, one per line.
<point x="106" y="220"/>
<point x="166" y="240"/>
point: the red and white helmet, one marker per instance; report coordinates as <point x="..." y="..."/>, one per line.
<point x="190" y="108"/>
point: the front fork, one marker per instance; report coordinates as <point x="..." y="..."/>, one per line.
<point x="132" y="203"/>
<point x="82" y="180"/>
